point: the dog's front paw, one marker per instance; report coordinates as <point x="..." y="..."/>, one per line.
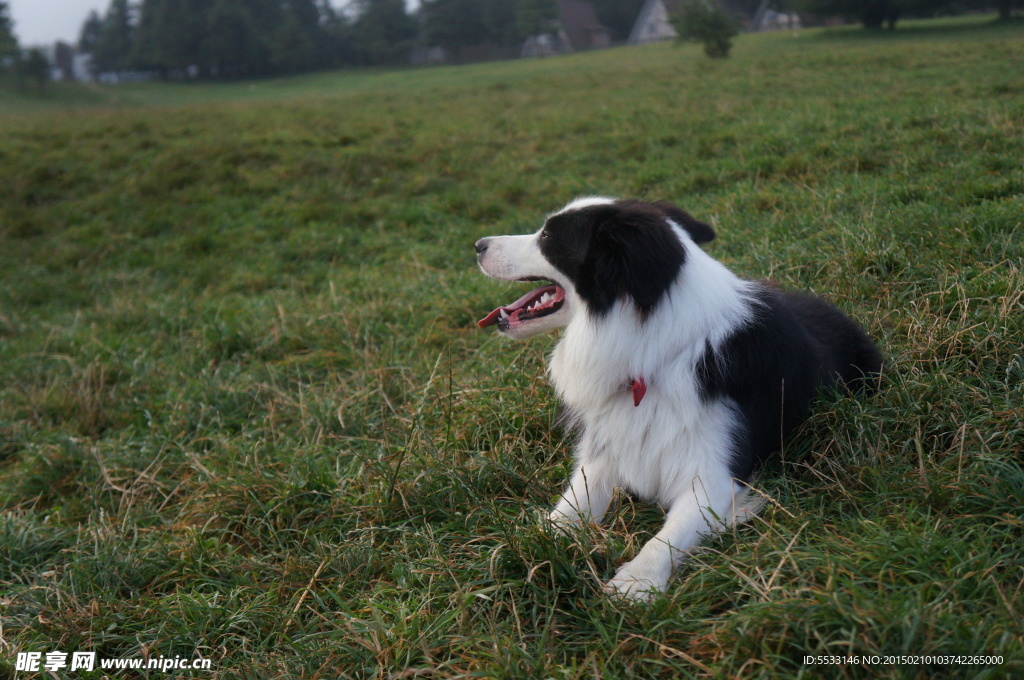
<point x="565" y="524"/>
<point x="637" y="584"/>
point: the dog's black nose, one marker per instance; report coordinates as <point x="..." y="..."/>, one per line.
<point x="481" y="246"/>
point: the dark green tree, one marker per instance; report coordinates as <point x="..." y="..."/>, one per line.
<point x="499" y="18"/>
<point x="233" y="47"/>
<point x="9" y="53"/>
<point x="534" y="17"/>
<point x="113" y="47"/>
<point x="339" y="37"/>
<point x="171" y="37"/>
<point x="153" y="45"/>
<point x="299" y="44"/>
<point x="454" y="24"/>
<point x="384" y="32"/>
<point x="292" y="47"/>
<point x="1006" y="8"/>
<point x="33" y="65"/>
<point x="871" y="13"/>
<point x="90" y="33"/>
<point x="618" y="16"/>
<point x="708" y="22"/>
<point x="307" y="12"/>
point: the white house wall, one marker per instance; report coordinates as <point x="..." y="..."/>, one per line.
<point x="652" y="25"/>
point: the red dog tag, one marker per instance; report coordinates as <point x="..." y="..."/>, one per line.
<point x="639" y="388"/>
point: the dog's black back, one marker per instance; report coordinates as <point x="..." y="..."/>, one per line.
<point x="773" y="368"/>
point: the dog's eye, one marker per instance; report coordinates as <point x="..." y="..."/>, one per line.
<point x="544" y="234"/>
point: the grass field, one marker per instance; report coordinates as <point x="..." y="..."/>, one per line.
<point x="245" y="412"/>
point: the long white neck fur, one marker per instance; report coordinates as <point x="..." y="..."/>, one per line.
<point x="596" y="357"/>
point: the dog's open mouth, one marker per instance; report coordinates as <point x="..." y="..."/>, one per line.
<point x="536" y="304"/>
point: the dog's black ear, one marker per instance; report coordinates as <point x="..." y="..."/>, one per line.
<point x="634" y="253"/>
<point x="699" y="231"/>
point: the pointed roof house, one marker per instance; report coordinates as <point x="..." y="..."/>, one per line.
<point x="653" y="23"/>
<point x="581" y="26"/>
<point x="578" y="30"/>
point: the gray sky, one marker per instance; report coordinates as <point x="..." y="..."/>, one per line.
<point x="41" y="22"/>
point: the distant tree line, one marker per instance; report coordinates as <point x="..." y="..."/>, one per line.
<point x="8" y="43"/>
<point x="456" y="25"/>
<point x="880" y="13"/>
<point x="26" y="65"/>
<point x="217" y="38"/>
<point x="253" y="38"/>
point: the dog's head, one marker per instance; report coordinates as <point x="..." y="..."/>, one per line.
<point x="594" y="252"/>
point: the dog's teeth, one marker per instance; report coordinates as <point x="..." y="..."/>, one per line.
<point x="503" y="314"/>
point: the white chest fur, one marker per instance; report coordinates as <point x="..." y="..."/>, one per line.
<point x="656" y="448"/>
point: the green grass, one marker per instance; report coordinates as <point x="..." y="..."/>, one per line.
<point x="245" y="412"/>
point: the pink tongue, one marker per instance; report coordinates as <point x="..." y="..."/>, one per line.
<point x="492" y="318"/>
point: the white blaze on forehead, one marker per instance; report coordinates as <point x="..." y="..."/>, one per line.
<point x="585" y="202"/>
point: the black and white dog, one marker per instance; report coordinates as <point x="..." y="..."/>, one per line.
<point x="680" y="377"/>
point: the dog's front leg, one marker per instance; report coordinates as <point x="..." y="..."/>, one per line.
<point x="697" y="511"/>
<point x="587" y="498"/>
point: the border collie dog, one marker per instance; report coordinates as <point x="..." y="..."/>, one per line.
<point x="679" y="377"/>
